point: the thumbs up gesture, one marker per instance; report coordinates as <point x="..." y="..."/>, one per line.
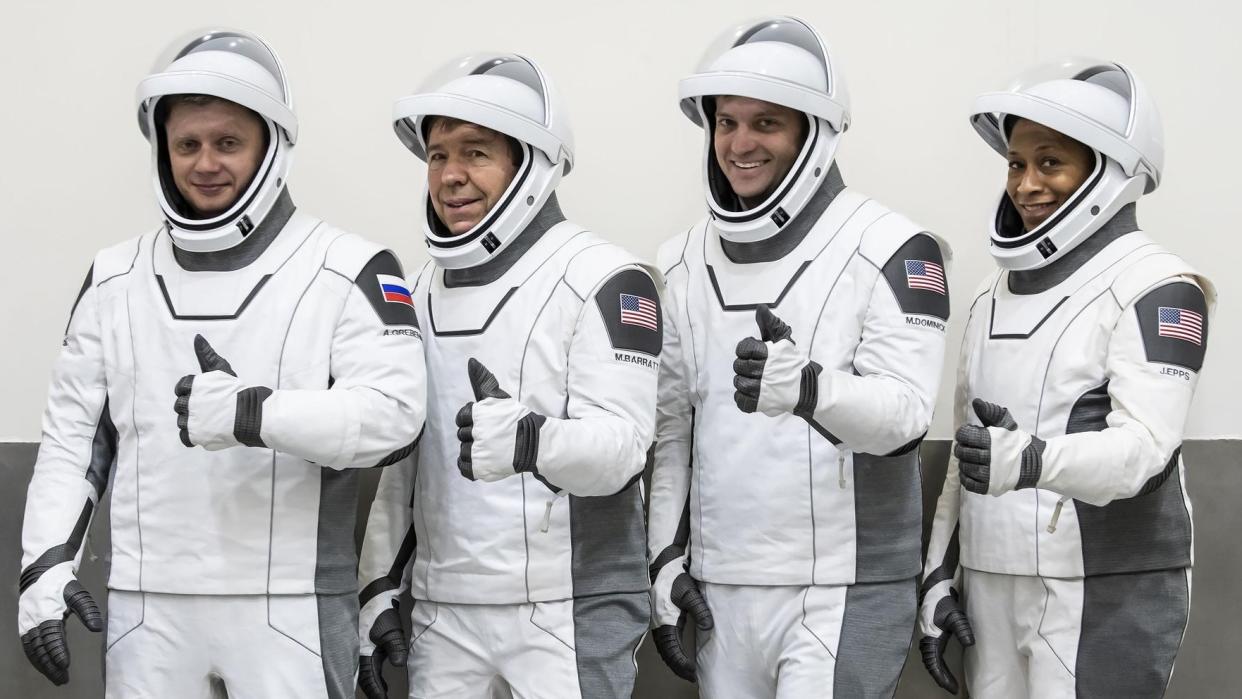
<point x="995" y="457"/>
<point x="215" y="410"/>
<point x="772" y="375"/>
<point x="499" y="436"/>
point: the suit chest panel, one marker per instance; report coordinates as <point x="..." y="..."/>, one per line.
<point x="823" y="299"/>
<point x="521" y="331"/>
<point x="1038" y="354"/>
<point x="1039" y="371"/>
<point x="274" y="326"/>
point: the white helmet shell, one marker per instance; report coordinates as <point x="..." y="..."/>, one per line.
<point x="784" y="61"/>
<point x="239" y="67"/>
<point x="1100" y="104"/>
<point x="509" y="94"/>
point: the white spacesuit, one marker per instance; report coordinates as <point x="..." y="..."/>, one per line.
<point x="799" y="527"/>
<point x="233" y="499"/>
<point x="1066" y="493"/>
<point x="543" y="345"/>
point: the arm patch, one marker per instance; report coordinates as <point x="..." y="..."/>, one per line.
<point x="384" y="285"/>
<point x="630" y="307"/>
<point x="1174" y="321"/>
<point x="917" y="277"/>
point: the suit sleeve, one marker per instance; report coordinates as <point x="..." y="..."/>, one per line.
<point x="600" y="448"/>
<point x="942" y="572"/>
<point x="387" y="547"/>
<point x="372" y="415"/>
<point x="887" y="403"/>
<point x="1154" y="357"/>
<point x="668" y="529"/>
<point x="76" y="452"/>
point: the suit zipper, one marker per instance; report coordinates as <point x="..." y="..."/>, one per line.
<point x="546" y="523"/>
<point x="1056" y="515"/>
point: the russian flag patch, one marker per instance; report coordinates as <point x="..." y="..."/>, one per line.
<point x="394" y="289"/>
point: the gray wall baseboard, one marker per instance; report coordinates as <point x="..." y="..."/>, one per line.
<point x="1205" y="666"/>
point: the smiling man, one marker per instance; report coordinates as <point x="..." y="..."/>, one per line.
<point x="462" y="195"/>
<point x="802" y="356"/>
<point x="214" y="148"/>
<point x="524" y="516"/>
<point x="756" y="143"/>
<point x="227" y="373"/>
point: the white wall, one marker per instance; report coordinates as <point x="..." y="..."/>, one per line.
<point x="74" y="174"/>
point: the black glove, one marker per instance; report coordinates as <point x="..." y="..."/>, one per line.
<point x="389" y="641"/>
<point x="46" y="644"/>
<point x="215" y="410"/>
<point x="983" y="471"/>
<point x="772" y="375"/>
<point x="951" y="619"/>
<point x="499" y="436"/>
<point x="685" y="596"/>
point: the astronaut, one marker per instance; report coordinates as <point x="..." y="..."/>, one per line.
<point x="228" y="371"/>
<point x="803" y="346"/>
<point x="1062" y="539"/>
<point x="543" y="347"/>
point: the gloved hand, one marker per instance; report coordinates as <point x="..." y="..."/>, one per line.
<point x="946" y="618"/>
<point x="499" y="436"/>
<point x="673" y="595"/>
<point x="382" y="638"/>
<point x="774" y="376"/>
<point x="215" y="410"/>
<point x="997" y="457"/>
<point x="42" y="607"/>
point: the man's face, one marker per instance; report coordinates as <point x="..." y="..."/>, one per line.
<point x="468" y="169"/>
<point x="1046" y="167"/>
<point x="214" y="150"/>
<point x="756" y="143"/>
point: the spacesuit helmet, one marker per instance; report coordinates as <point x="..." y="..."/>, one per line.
<point x="509" y="94"/>
<point x="1100" y="104"/>
<point x="241" y="68"/>
<point x="781" y="60"/>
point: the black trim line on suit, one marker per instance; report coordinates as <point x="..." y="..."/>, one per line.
<point x="168" y="301"/>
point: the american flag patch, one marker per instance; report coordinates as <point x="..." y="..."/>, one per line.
<point x="638" y="310"/>
<point x="394" y="289"/>
<point x="928" y="276"/>
<point x="1180" y="323"/>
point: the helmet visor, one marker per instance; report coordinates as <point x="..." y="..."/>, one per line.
<point x="1021" y="98"/>
<point x="783" y="61"/>
<point x="786" y="30"/>
<point x="500" y="65"/>
<point x="258" y="82"/>
<point x="501" y="91"/>
<point x="229" y="41"/>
